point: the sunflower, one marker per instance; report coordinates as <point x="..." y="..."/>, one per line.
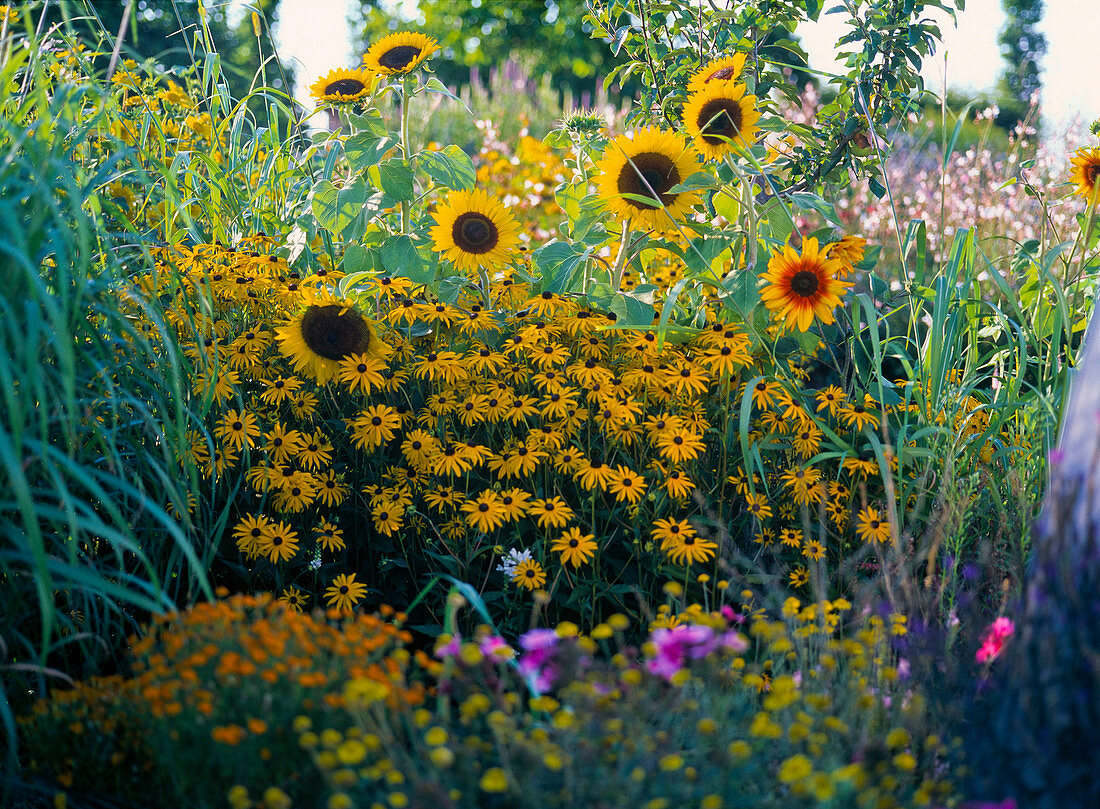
<point x="720" y="116"/>
<point x="324" y="334"/>
<point x="801" y="286"/>
<point x="647" y="165"/>
<point x="341" y="86"/>
<point x="1085" y="172"/>
<point x="399" y="53"/>
<point x="474" y="230"/>
<point x="726" y="69"/>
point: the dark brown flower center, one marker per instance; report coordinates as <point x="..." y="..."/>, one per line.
<point x="335" y="332"/>
<point x="345" y="87"/>
<point x="804" y="283"/>
<point x="475" y="233"/>
<point x="649" y="174"/>
<point x="720" y="118"/>
<point x="399" y="57"/>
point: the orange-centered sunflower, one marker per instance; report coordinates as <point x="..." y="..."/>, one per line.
<point x="474" y="230"/>
<point x="728" y="68"/>
<point x="399" y="53"/>
<point x="719" y="116"/>
<point x="1085" y="172"/>
<point x="341" y="86"/>
<point x="638" y="173"/>
<point x="326" y="332"/>
<point x="801" y="286"/>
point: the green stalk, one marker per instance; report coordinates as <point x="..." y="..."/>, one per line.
<point x="406" y="87"/>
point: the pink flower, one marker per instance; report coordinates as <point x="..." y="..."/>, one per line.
<point x="450" y="648"/>
<point x="994" y="640"/>
<point x="494" y="646"/>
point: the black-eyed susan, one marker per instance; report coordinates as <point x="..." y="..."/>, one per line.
<point x="362" y="371"/>
<point x="249" y="534"/>
<point x="626" y="484"/>
<point x="798" y="577"/>
<point x="330" y="537"/>
<point x="757" y="505"/>
<point x="800" y="286"/>
<point x="279" y="542"/>
<point x="552" y="512"/>
<point x="1085" y="172"/>
<point x="238" y="430"/>
<point x="576" y="549"/>
<point x="342" y="86"/>
<point x="474" y="230"/>
<point x="688" y="549"/>
<point x="680" y="445"/>
<point x="324" y="334"/>
<point x="871" y="527"/>
<point x="294" y="598"/>
<point x="345" y="592"/>
<point x="485" y="512"/>
<point x="725" y="69"/>
<point x="399" y="53"/>
<point x="637" y="175"/>
<point x="721" y="117"/>
<point x="529" y="574"/>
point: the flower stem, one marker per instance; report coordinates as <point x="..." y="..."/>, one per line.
<point x="406" y="151"/>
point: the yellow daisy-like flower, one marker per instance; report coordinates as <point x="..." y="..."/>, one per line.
<point x="342" y="86"/>
<point x="345" y="592"/>
<point x="849" y="251"/>
<point x="324" y="334"/>
<point x="871" y="527"/>
<point x="529" y="574"/>
<point x="575" y="548"/>
<point x="800" y="286"/>
<point x="647" y="165"/>
<point x="721" y="117"/>
<point x="726" y="69"/>
<point x="475" y="230"/>
<point x="1085" y="172"/>
<point x="688" y="549"/>
<point x="399" y="53"/>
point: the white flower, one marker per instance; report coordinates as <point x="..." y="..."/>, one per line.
<point x="509" y="561"/>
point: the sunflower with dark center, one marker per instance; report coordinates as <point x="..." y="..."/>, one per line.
<point x="1085" y="172"/>
<point x="800" y="286"/>
<point x="342" y="86"/>
<point x="326" y="332"/>
<point x="474" y="230"/>
<point x="399" y="54"/>
<point x="637" y="175"/>
<point x="720" y="118"/>
<point x="726" y="69"/>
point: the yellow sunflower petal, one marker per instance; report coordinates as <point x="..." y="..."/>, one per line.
<point x="399" y="53"/>
<point x="648" y="162"/>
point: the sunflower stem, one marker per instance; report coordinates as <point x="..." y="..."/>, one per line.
<point x="620" y="259"/>
<point x="406" y="87"/>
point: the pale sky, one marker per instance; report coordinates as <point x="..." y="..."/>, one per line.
<point x="314" y="34"/>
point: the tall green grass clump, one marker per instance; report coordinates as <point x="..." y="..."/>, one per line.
<point x="92" y="419"/>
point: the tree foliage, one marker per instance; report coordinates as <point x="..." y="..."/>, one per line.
<point x="165" y="30"/>
<point x="1022" y="45"/>
<point x="545" y="36"/>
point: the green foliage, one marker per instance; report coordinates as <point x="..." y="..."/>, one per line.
<point x="549" y="37"/>
<point x="166" y="30"/>
<point x="666" y="42"/>
<point x="1023" y="47"/>
<point x="93" y="419"/>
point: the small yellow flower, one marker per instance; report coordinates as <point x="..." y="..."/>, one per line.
<point x="494" y="780"/>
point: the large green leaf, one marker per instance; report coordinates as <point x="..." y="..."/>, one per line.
<point x="450" y="167"/>
<point x="336" y="208"/>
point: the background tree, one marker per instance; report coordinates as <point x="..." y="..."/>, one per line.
<point x="1023" y="46"/>
<point x="545" y="36"/>
<point x="164" y="29"/>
